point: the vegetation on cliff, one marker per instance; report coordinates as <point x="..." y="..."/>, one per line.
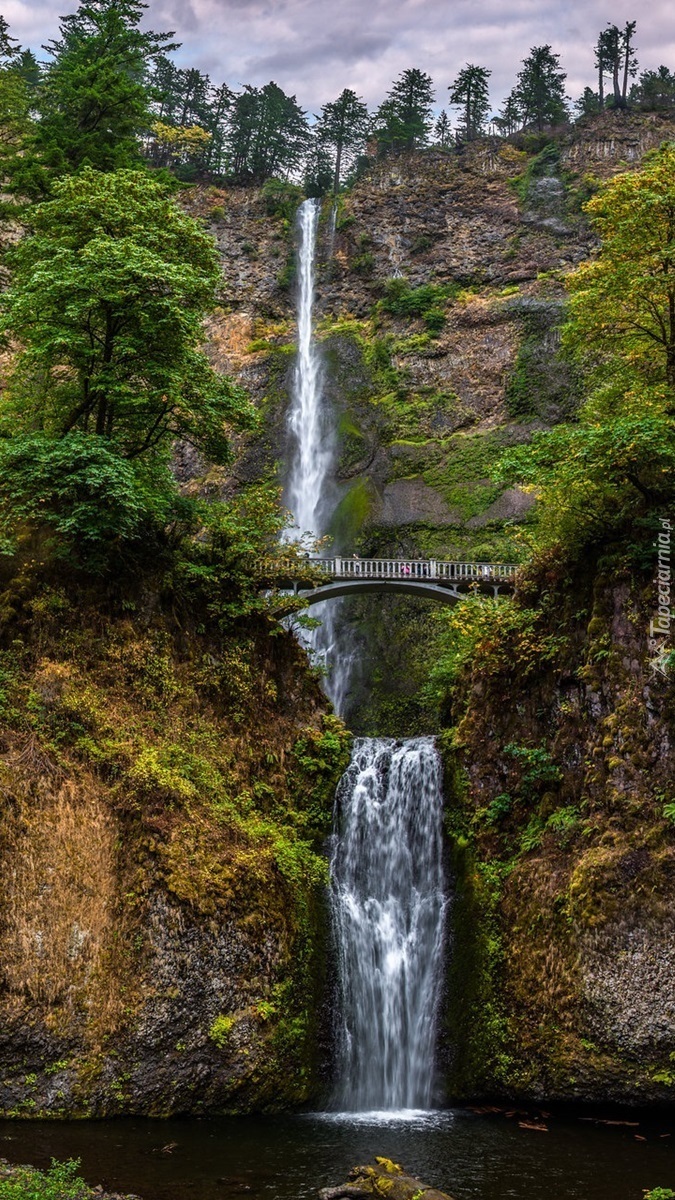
<point x="560" y="717"/>
<point x="167" y="762"/>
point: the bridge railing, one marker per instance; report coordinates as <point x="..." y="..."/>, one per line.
<point x="400" y="568"/>
<point x="342" y="567"/>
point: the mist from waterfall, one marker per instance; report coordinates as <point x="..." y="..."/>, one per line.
<point x="388" y="903"/>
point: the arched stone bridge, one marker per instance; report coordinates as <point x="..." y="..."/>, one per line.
<point x="433" y="579"/>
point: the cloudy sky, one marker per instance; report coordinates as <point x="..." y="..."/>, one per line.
<point x="314" y="48"/>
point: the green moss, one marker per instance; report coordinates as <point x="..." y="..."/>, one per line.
<point x="352" y="513"/>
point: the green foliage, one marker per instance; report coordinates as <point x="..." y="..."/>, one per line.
<point x="660" y="1193"/>
<point x="80" y="495"/>
<point x="281" y="198"/>
<point x="402" y="300"/>
<point x="95" y="99"/>
<point x="669" y="812"/>
<point x="343" y="126"/>
<point x="220" y="1031"/>
<point x="622" y="308"/>
<point x="107" y="298"/>
<point x="594" y="479"/>
<point x="538" y="771"/>
<point x="268" y="134"/>
<point x="403" y="121"/>
<point x="539" y="93"/>
<point x="655" y="92"/>
<point x="471" y="92"/>
<point x="60" y="1182"/>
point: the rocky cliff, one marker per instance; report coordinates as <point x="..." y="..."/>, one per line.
<point x="166" y="793"/>
<point x="561" y="761"/>
<point x="440" y="299"/>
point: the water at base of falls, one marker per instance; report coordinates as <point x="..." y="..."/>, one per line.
<point x="388" y="906"/>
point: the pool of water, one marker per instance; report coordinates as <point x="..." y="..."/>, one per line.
<point x="472" y="1156"/>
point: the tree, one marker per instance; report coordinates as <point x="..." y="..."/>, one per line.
<point x="655" y="91"/>
<point x="443" y="131"/>
<point x="95" y="100"/>
<point x="540" y="90"/>
<point x="343" y="126"/>
<point x="510" y="118"/>
<point x="623" y="303"/>
<point x="9" y="47"/>
<point x="16" y="125"/>
<point x="471" y="93"/>
<point x="403" y="120"/>
<point x="268" y="134"/>
<point x="589" y="103"/>
<point x="616" y="47"/>
<point x="603" y="61"/>
<point x="107" y="301"/>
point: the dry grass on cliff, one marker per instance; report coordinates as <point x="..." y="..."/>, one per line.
<point x="58" y="888"/>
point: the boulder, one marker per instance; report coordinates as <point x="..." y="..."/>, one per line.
<point x="385" y="1179"/>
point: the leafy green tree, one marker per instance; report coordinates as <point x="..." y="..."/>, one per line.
<point x="623" y="302"/>
<point x="107" y="301"/>
<point x="540" y="90"/>
<point x="404" y="120"/>
<point x="471" y="93"/>
<point x="596" y="479"/>
<point x="343" y="126"/>
<point x="268" y="134"/>
<point x="95" y="99"/>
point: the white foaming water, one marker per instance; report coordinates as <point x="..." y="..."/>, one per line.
<point x="388" y="905"/>
<point x="311" y="430"/>
<point x="310" y="481"/>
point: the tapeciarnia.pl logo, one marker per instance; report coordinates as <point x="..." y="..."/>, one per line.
<point x="660" y="624"/>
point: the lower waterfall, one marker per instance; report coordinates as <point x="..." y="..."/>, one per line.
<point x="388" y="906"/>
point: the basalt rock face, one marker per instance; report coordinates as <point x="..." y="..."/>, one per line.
<point x="563" y="975"/>
<point x="430" y="383"/>
<point x="494" y="229"/>
<point x="166" y="795"/>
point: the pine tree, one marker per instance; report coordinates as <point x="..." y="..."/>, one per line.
<point x="443" y="131"/>
<point x="540" y="90"/>
<point x="268" y="134"/>
<point x="510" y="118"/>
<point x="588" y="103"/>
<point x="655" y="91"/>
<point x="403" y="120"/>
<point x="603" y="62"/>
<point x="343" y="126"/>
<point x="621" y="62"/>
<point x="95" y="100"/>
<point x="470" y="92"/>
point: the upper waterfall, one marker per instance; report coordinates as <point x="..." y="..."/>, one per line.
<point x="310" y="427"/>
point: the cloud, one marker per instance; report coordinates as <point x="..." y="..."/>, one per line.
<point x="314" y="48"/>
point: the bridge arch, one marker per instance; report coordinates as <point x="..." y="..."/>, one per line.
<point x="356" y="587"/>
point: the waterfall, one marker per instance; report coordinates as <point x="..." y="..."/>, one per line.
<point x="312" y="433"/>
<point x="310" y="490"/>
<point x="388" y="906"/>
